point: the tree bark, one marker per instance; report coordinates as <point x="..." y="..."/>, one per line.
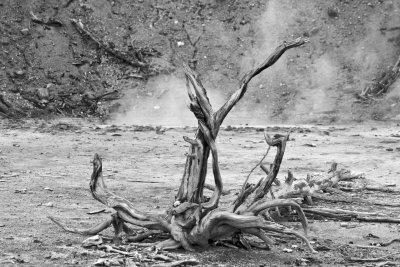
<point x="193" y="219"/>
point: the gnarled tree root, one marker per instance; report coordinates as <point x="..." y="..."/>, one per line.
<point x="192" y="220"/>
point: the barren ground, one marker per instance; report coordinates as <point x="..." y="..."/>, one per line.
<point x="51" y="160"/>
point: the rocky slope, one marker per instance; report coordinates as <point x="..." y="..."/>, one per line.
<point x="49" y="67"/>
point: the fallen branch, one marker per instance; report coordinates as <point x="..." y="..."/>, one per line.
<point x="385" y="244"/>
<point x="124" y="58"/>
<point x="90" y="231"/>
<point x="353" y="259"/>
<point x="382" y="85"/>
<point x="353" y="200"/>
<point x="345" y="215"/>
<point x="178" y="263"/>
<point x="390" y="28"/>
<point x="49" y="22"/>
<point x="96" y="212"/>
<point x="382" y="189"/>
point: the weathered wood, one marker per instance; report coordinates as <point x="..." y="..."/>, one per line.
<point x="272" y="59"/>
<point x="193" y="219"/>
<point x="380" y="87"/>
<point x="266" y="184"/>
<point x="346" y="215"/>
<point x="124" y="58"/>
<point x="124" y="208"/>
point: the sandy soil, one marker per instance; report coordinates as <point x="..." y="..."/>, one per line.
<point x="46" y="169"/>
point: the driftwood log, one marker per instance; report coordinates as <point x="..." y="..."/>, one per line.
<point x="381" y="86"/>
<point x="193" y="219"/>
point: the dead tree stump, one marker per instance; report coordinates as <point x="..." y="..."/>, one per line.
<point x="194" y="220"/>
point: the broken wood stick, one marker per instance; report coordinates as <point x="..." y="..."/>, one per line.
<point x="354" y="259"/>
<point x="345" y="215"/>
<point x="49" y="22"/>
<point x="390" y="28"/>
<point x="96" y="211"/>
<point x="178" y="263"/>
<point x="91" y="231"/>
<point x="385" y="244"/>
<point x="381" y="189"/>
<point x="352" y="200"/>
<point x="124" y="58"/>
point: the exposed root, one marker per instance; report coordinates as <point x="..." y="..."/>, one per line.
<point x="260" y="206"/>
<point x="125" y="209"/>
<point x="90" y="231"/>
<point x="192" y="220"/>
<point x="260" y="234"/>
<point x="214" y="224"/>
<point x="168" y="244"/>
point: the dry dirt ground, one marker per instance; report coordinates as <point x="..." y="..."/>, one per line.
<point x="45" y="171"/>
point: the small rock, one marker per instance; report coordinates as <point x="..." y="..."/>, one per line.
<point x="43" y="93"/>
<point x="19" y="72"/>
<point x="25" y="31"/>
<point x="315" y="30"/>
<point x="48" y="189"/>
<point x="48" y="204"/>
<point x="332" y="12"/>
<point x="92" y="241"/>
<point x="287" y="250"/>
<point x="4" y="40"/>
<point x="310" y="145"/>
<point x="180" y="43"/>
<point x="75" y="262"/>
<point x="2" y="225"/>
<point x="56" y="256"/>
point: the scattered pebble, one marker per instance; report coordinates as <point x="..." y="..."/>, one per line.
<point x="56" y="256"/>
<point x="48" y="204"/>
<point x="310" y="145"/>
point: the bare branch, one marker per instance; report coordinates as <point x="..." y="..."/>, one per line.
<point x="199" y="90"/>
<point x="280" y="142"/>
<point x="235" y="97"/>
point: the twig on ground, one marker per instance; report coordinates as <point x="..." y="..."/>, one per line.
<point x="125" y="58"/>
